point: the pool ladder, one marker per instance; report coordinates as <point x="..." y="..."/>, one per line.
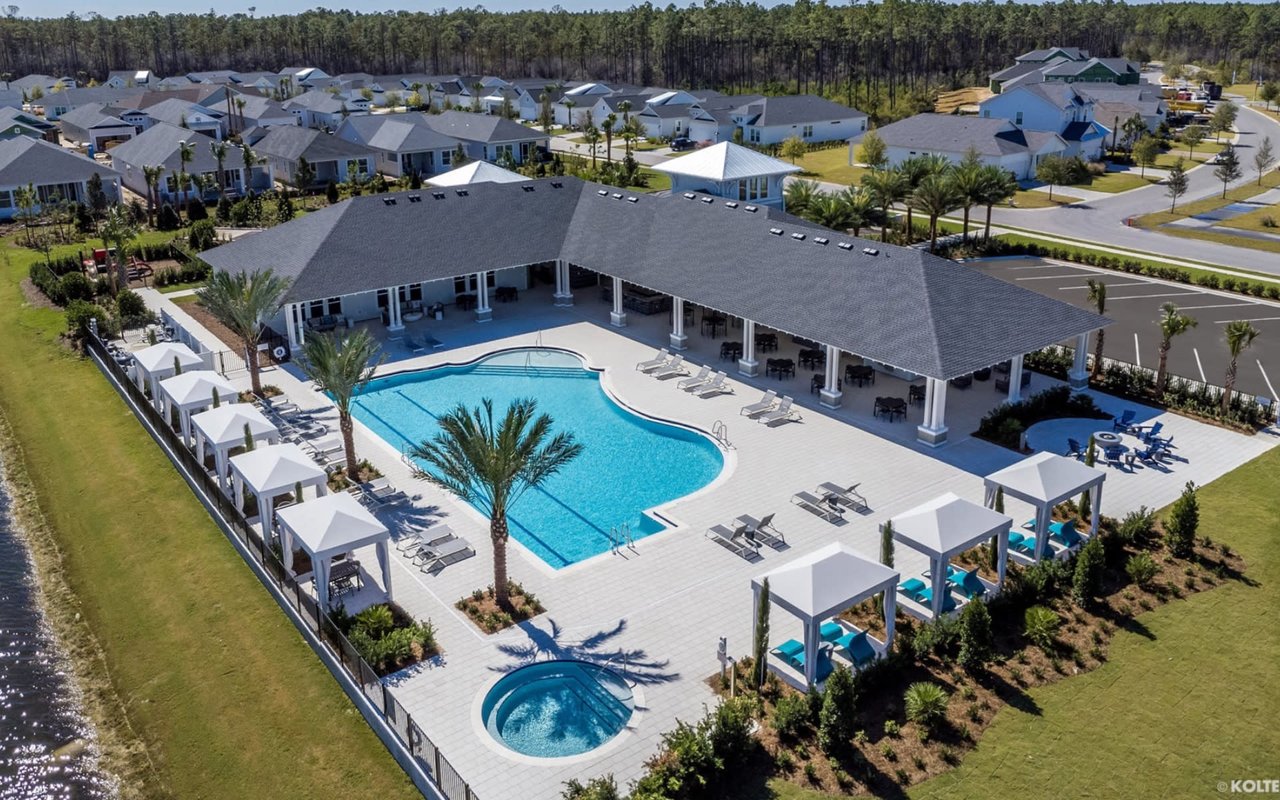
<point x="619" y="537"/>
<point x="720" y="432"/>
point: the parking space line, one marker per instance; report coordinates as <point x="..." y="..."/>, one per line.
<point x="1137" y="350"/>
<point x="1147" y="296"/>
<point x="1216" y="305"/>
<point x="1109" y="285"/>
<point x="1049" y="277"/>
<point x="1199" y="366"/>
<point x="1250" y="319"/>
<point x="1270" y="388"/>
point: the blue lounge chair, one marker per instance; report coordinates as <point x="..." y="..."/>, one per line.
<point x="1073" y="449"/>
<point x="1113" y="454"/>
<point x="967" y="583"/>
<point x="1151" y="433"/>
<point x="1151" y="455"/>
<point x="912" y="587"/>
<point x="1016" y="539"/>
<point x="831" y="630"/>
<point x="1122" y="422"/>
<point x="1065" y="532"/>
<point x="856" y="646"/>
<point x="948" y="602"/>
<point x="789" y="649"/>
<point x="824" y="664"/>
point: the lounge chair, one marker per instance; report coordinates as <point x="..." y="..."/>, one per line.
<point x="782" y="413"/>
<point x="831" y="631"/>
<point x="1016" y="539"/>
<point x="734" y="539"/>
<point x="1113" y="454"/>
<point x="762" y="529"/>
<point x="413" y="345"/>
<point x="825" y="666"/>
<point x="714" y="386"/>
<point x="825" y="507"/>
<point x="788" y="650"/>
<point x="845" y="496"/>
<point x="1073" y="449"/>
<point x="1151" y="455"/>
<point x="948" y="602"/>
<point x="912" y="587"/>
<point x="967" y="583"/>
<point x="654" y="363"/>
<point x="673" y="368"/>
<point x="766" y="403"/>
<point x="857" y="648"/>
<point x="1123" y="422"/>
<point x="1065" y="532"/>
<point x="689" y="384"/>
<point x="443" y="554"/>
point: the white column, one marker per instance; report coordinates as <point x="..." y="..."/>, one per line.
<point x="220" y="464"/>
<point x="830" y="394"/>
<point x="890" y="616"/>
<point x="239" y="491"/>
<point x="1015" y="380"/>
<point x="393" y="309"/>
<point x="747" y="365"/>
<point x="617" y="317"/>
<point x="810" y="652"/>
<point x="266" y="510"/>
<point x="1044" y="516"/>
<point x="320" y="571"/>
<point x="564" y="295"/>
<point x="483" y="312"/>
<point x="302" y="326"/>
<point x="678" y="339"/>
<point x="291" y="324"/>
<point x="384" y="561"/>
<point x="1079" y="375"/>
<point x="933" y="430"/>
<point x="184" y="422"/>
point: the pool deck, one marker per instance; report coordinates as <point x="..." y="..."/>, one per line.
<point x="657" y="612"/>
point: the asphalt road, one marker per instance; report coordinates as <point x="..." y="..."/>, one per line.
<point x="1134" y="303"/>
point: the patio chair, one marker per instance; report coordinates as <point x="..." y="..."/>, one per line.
<point x="1123" y="422"/>
<point x="734" y="540"/>
<point x="967" y="583"/>
<point x="762" y="529"/>
<point x="689" y="384"/>
<point x="1151" y="455"/>
<point x="766" y="403"/>
<point x="845" y="496"/>
<point x="1147" y="434"/>
<point x="948" y="602"/>
<point x="450" y="551"/>
<point x="1113" y="454"/>
<point x="1073" y="449"/>
<point x="788" y="650"/>
<point x="825" y="507"/>
<point x="673" y="368"/>
<point x="857" y="648"/>
<point x="831" y="631"/>
<point x="1016" y="539"/>
<point x="912" y="587"/>
<point x="825" y="667"/>
<point x="782" y="413"/>
<point x="654" y="363"/>
<point x="1065" y="532"/>
<point x="714" y="386"/>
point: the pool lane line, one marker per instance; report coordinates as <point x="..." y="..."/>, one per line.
<point x="1199" y="366"/>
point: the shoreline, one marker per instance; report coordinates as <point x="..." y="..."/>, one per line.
<point x="114" y="748"/>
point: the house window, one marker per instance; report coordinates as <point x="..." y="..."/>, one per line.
<point x="446" y="158"/>
<point x="503" y="149"/>
<point x="986" y="113"/>
<point x="753" y="188"/>
<point x="1017" y="120"/>
<point x="355" y="166"/>
<point x="806" y="132"/>
<point x="6" y="199"/>
<point x="753" y="136"/>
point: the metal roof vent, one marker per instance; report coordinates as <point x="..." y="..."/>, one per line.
<point x="708" y="200"/>
<point x="731" y="203"/>
<point x="617" y="196"/>
<point x="776" y="231"/>
<point x="799" y="237"/>
<point x="689" y="195"/>
<point x="752" y="209"/>
<point x="415" y="198"/>
<point x="388" y="201"/>
<point x="871" y="251"/>
<point x="844" y="245"/>
<point x="633" y="199"/>
<point x="820" y="240"/>
<point x="602" y="192"/>
<point x="527" y="188"/>
<point x="557" y="185"/>
<point x="462" y="192"/>
<point x="438" y="195"/>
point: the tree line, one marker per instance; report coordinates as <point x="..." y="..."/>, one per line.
<point x="869" y="55"/>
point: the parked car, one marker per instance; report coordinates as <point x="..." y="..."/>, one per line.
<point x="682" y="143"/>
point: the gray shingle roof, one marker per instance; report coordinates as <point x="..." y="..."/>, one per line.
<point x="89" y="116"/>
<point x="902" y="307"/>
<point x="1073" y="53"/>
<point x="25" y="160"/>
<point x="396" y="133"/>
<point x="291" y="142"/>
<point x="486" y="128"/>
<point x="159" y="145"/>
<point x="953" y="134"/>
<point x="800" y="109"/>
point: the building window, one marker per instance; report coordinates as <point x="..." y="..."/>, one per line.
<point x="6" y="199"/>
<point x="503" y="149"/>
<point x="753" y="136"/>
<point x="446" y="158"/>
<point x="1017" y="120"/>
<point x="355" y="167"/>
<point x="807" y="132"/>
<point x="753" y="188"/>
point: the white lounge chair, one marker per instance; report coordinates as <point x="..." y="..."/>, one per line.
<point x="845" y="496"/>
<point x="825" y="507"/>
<point x="766" y="403"/>
<point x="689" y="384"/>
<point x="782" y="413"/>
<point x="654" y="363"/>
<point x="673" y="368"/>
<point x="734" y="539"/>
<point x="715" y="386"/>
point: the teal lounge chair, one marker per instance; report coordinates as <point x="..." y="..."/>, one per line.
<point x="948" y="602"/>
<point x="1016" y="539"/>
<point x="824" y="664"/>
<point x="831" y="631"/>
<point x="967" y="583"/>
<point x="856" y="646"/>
<point x="912" y="587"/>
<point x="789" y="649"/>
<point x="1065" y="532"/>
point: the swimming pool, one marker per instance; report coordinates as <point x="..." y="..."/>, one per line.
<point x="628" y="463"/>
<point x="554" y="709"/>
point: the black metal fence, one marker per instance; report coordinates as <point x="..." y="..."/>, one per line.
<point x="398" y="719"/>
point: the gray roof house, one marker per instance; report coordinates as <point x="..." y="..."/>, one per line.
<point x="331" y="158"/>
<point x="323" y="110"/>
<point x="59" y="103"/>
<point x="772" y="120"/>
<point x="996" y="141"/>
<point x="488" y="138"/>
<point x="93" y="127"/>
<point x="915" y="310"/>
<point x="404" y="143"/>
<point x="184" y="113"/>
<point x="54" y="172"/>
<point x="161" y="145"/>
<point x="16" y="122"/>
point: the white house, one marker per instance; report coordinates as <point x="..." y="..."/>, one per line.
<point x="54" y="172"/>
<point x="996" y="141"/>
<point x="570" y="109"/>
<point x="403" y="143"/>
<point x="712" y="119"/>
<point x="128" y="78"/>
<point x="772" y="120"/>
<point x="322" y="110"/>
<point x="93" y="127"/>
<point x="1055" y="107"/>
<point x="727" y="170"/>
<point x="668" y="115"/>
<point x="488" y="138"/>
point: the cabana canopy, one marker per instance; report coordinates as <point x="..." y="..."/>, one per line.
<point x="1044" y="480"/>
<point x="156" y="362"/>
<point x="273" y="470"/>
<point x="223" y="428"/>
<point x="327" y="527"/>
<point x="194" y="391"/>
<point x="824" y="583"/>
<point x="947" y="525"/>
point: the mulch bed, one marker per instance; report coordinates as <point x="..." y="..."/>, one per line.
<point x="482" y="610"/>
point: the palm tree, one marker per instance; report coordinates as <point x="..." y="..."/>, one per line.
<point x="240" y="104"/>
<point x="249" y="159"/>
<point x="185" y="154"/>
<point x="913" y="170"/>
<point x="592" y="137"/>
<point x="569" y="104"/>
<point x="799" y="196"/>
<point x="887" y="187"/>
<point x="860" y="208"/>
<point x="997" y="186"/>
<point x="219" y="150"/>
<point x="609" y="122"/>
<point x="1098" y="297"/>
<point x="492" y="466"/>
<point x="829" y="211"/>
<point x="342" y="367"/>
<point x="936" y="195"/>
<point x="1240" y="334"/>
<point x="1172" y="323"/>
<point x="152" y="176"/>
<point x="244" y="302"/>
<point x="967" y="180"/>
<point x="27" y="202"/>
<point x="117" y="232"/>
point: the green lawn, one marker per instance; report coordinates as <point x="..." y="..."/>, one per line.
<point x="1187" y="698"/>
<point x="216" y="683"/>
<point x="1253" y="221"/>
<point x="1116" y="182"/>
<point x="1036" y="199"/>
<point x="831" y="165"/>
<point x="1237" y="194"/>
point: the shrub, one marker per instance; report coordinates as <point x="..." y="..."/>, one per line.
<point x="791" y="716"/>
<point x="79" y="312"/>
<point x="938" y="638"/>
<point x="835" y="723"/>
<point x="926" y="704"/>
<point x="1086" y="584"/>
<point x="167" y="219"/>
<point x="1182" y="523"/>
<point x="331" y="192"/>
<point x="602" y="788"/>
<point x="975" y="636"/>
<point x="1053" y="403"/>
<point x="730" y="731"/>
<point x="1141" y="569"/>
<point x="376" y="621"/>
<point x="130" y="306"/>
<point x="1136" y="527"/>
<point x="1040" y="625"/>
<point x="202" y="235"/>
<point x="196" y="211"/>
<point x="892" y="728"/>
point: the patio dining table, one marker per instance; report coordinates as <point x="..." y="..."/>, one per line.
<point x="730" y="351"/>
<point x="767" y="342"/>
<point x="714" y="322"/>
<point x="782" y="367"/>
<point x="860" y="374"/>
<point x="891" y="407"/>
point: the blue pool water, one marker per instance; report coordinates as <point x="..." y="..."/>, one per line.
<point x="557" y="708"/>
<point x="628" y="463"/>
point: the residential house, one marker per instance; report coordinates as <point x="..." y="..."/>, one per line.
<point x="185" y="114"/>
<point x="295" y="79"/>
<point x="727" y="170"/>
<point x="1114" y="103"/>
<point x="11" y="98"/>
<point x="322" y="110"/>
<point x="94" y="128"/>
<point x="1055" y="107"/>
<point x="59" y="103"/>
<point x="1064" y="65"/>
<point x="712" y="119"/>
<point x="213" y="76"/>
<point x="16" y="122"/>
<point x="260" y="112"/>
<point x="35" y="86"/>
<point x="331" y="158"/>
<point x="172" y="82"/>
<point x="161" y="145"/>
<point x="403" y="143"/>
<point x="570" y="109"/>
<point x="773" y="120"/>
<point x="994" y="140"/>
<point x="528" y="104"/>
<point x="129" y="78"/>
<point x="489" y="138"/>
<point x="56" y="173"/>
<point x="668" y="115"/>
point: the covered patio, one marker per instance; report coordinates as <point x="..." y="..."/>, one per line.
<point x="155" y="363"/>
<point x="815" y="589"/>
<point x="271" y="471"/>
<point x="330" y="527"/>
<point x="942" y="528"/>
<point x="192" y="392"/>
<point x="1044" y="480"/>
<point x="225" y="428"/>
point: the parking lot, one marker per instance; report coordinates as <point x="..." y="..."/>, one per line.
<point x="1134" y="303"/>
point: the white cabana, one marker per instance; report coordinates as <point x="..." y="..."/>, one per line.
<point x="476" y="172"/>
<point x="945" y="526"/>
<point x="821" y="585"/>
<point x="192" y="392"/>
<point x="1044" y="480"/>
<point x="155" y="363"/>
<point x="273" y="470"/>
<point x="328" y="527"/>
<point x="223" y="428"/>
